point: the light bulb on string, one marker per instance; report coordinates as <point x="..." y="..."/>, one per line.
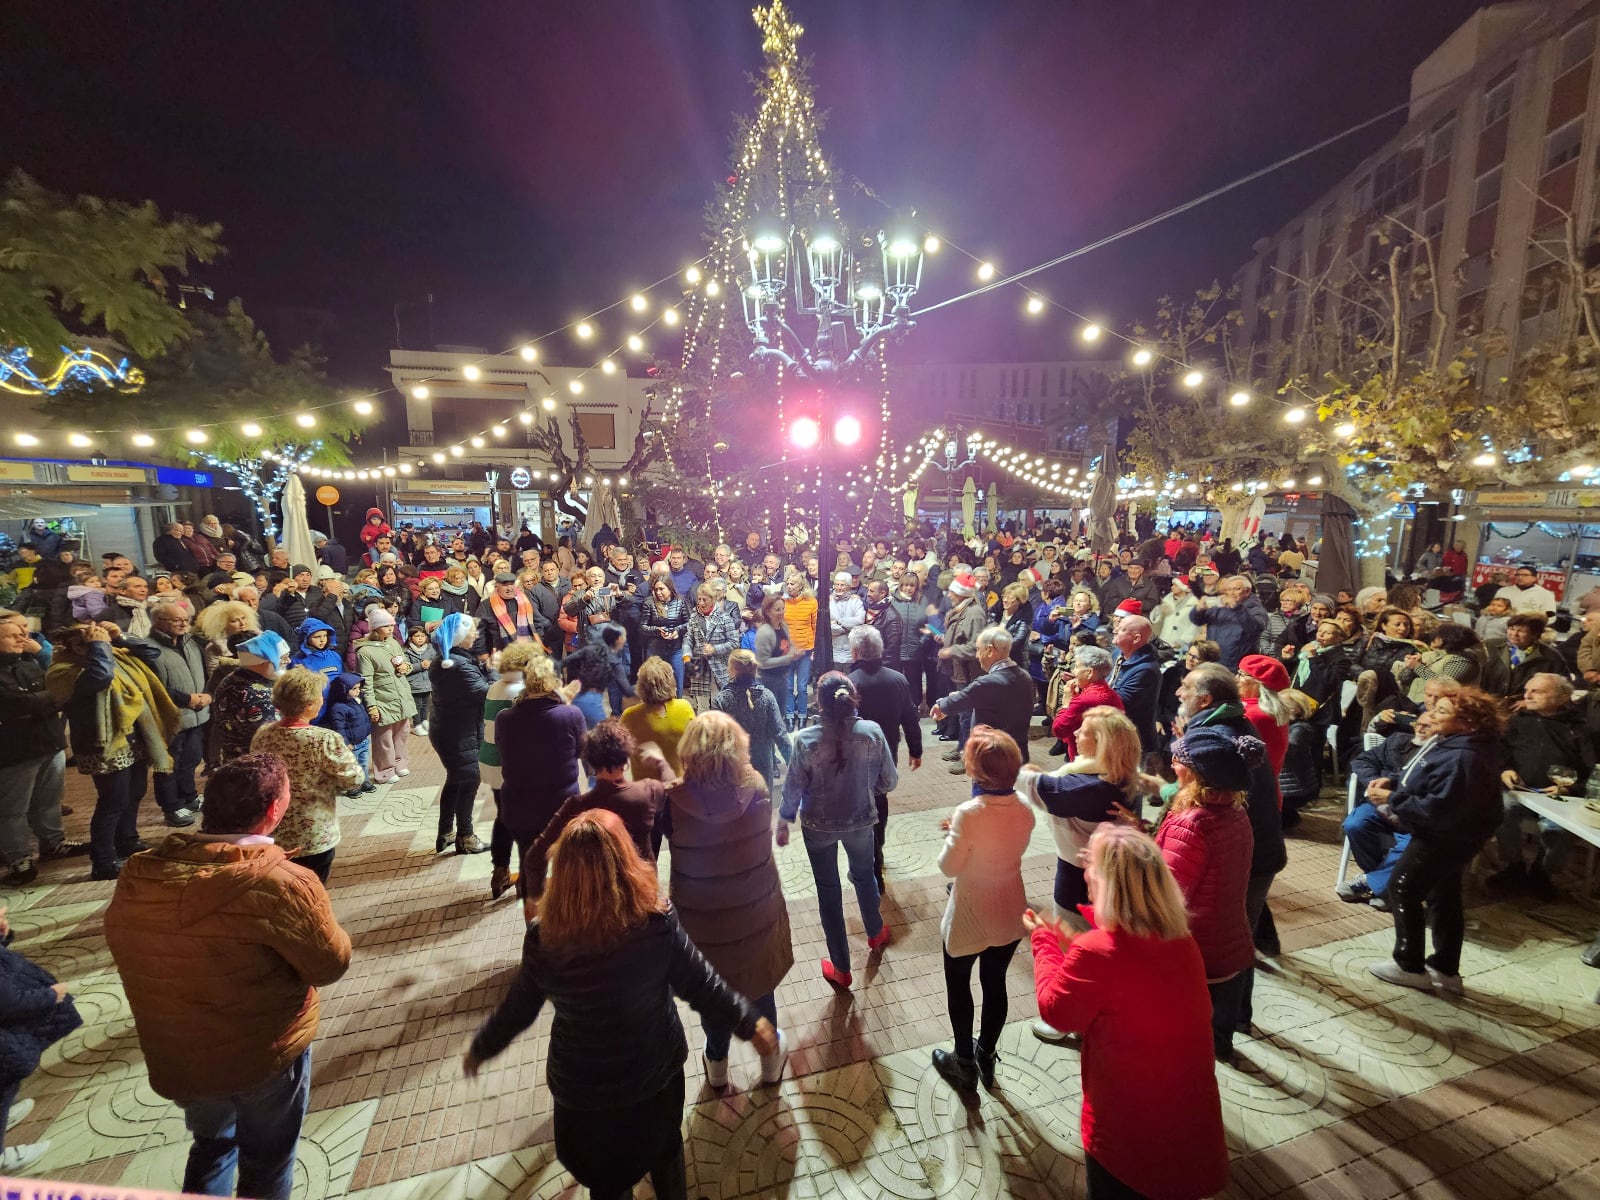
<point x="669" y="317"/>
<point x="79" y="440"/>
<point x="1295" y="416"/>
<point x="143" y="440"/>
<point x="1091" y="332"/>
<point x="635" y="343"/>
<point x="608" y="367"/>
<point x="530" y="353"/>
<point x="306" y="420"/>
<point x="584" y="330"/>
<point x="1239" y="399"/>
<point x="196" y="437"/>
<point x="638" y="303"/>
<point x="576" y="387"/>
<point x="1035" y="306"/>
<point x="420" y="392"/>
<point x="363" y="408"/>
<point x="985" y="271"/>
<point x="692" y="275"/>
<point x="1193" y="379"/>
<point x="250" y="429"/>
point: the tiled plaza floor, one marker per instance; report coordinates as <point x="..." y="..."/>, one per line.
<point x="1350" y="1088"/>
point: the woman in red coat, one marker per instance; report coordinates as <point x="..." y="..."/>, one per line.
<point x="1207" y="842"/>
<point x="1262" y="681"/>
<point x="1091" y="667"/>
<point x="1134" y="987"/>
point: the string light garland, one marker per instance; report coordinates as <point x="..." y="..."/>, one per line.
<point x="83" y="367"/>
<point x="262" y="477"/>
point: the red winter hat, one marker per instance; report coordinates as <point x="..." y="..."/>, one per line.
<point x="963" y="585"/>
<point x="1268" y="672"/>
<point x="1132" y="607"/>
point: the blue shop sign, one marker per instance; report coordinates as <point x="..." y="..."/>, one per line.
<point x="179" y="477"/>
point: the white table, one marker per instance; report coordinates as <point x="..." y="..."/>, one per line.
<point x="1568" y="813"/>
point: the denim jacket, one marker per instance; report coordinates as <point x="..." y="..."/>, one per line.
<point x="836" y="798"/>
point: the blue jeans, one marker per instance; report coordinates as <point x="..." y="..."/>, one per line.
<point x="30" y="796"/>
<point x="799" y="680"/>
<point x="1375" y="844"/>
<point x="776" y="680"/>
<point x="858" y="844"/>
<point x="254" y="1133"/>
<point x="718" y="1036"/>
<point x="674" y="656"/>
<point x="363" y="752"/>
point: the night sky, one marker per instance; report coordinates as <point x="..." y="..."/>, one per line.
<point x="526" y="163"/>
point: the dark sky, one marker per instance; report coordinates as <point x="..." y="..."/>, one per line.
<point x="526" y="162"/>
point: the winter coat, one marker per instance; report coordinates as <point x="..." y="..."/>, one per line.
<point x="1172" y="622"/>
<point x="372" y="530"/>
<point x="340" y="615"/>
<point x="30" y="725"/>
<point x="1070" y="719"/>
<point x="1137" y="680"/>
<point x="250" y="936"/>
<point x="1076" y="798"/>
<point x="886" y="702"/>
<point x="886" y="620"/>
<point x="1275" y="736"/>
<point x="455" y="723"/>
<point x="659" y="618"/>
<point x="1002" y="697"/>
<point x="1300" y="778"/>
<point x="770" y="652"/>
<point x="756" y="710"/>
<point x="181" y="669"/>
<point x="616" y="1036"/>
<point x="539" y="741"/>
<point x="1322" y="675"/>
<point x="844" y="613"/>
<point x="320" y="766"/>
<point x="383" y="687"/>
<point x="640" y="803"/>
<point x="1262" y="803"/>
<point x="1237" y="631"/>
<point x="961" y="630"/>
<point x="174" y="555"/>
<point x="913" y="627"/>
<point x="982" y="853"/>
<point x="1380" y="655"/>
<point x="724" y="882"/>
<point x="346" y="717"/>
<point x="1450" y="791"/>
<point x="240" y="704"/>
<point x="1208" y="847"/>
<point x="327" y="662"/>
<point x="834" y="776"/>
<point x="32" y="1019"/>
<point x="1149" y="1075"/>
<point x="1534" y="743"/>
<point x="1500" y="678"/>
<point x="420" y="658"/>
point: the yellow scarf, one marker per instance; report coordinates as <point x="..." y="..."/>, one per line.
<point x="134" y="704"/>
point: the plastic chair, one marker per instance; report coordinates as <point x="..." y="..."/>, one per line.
<point x="1347" y="697"/>
<point x="1344" y="854"/>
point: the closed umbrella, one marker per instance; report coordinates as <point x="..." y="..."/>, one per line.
<point x="297" y="524"/>
<point x="994" y="507"/>
<point x="1251" y="530"/>
<point x="969" y="507"/>
<point x="1337" y="569"/>
<point x="909" y="502"/>
<point x="1103" y="504"/>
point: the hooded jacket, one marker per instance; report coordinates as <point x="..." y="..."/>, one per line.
<point x="455" y="726"/>
<point x="221" y="946"/>
<point x="372" y="530"/>
<point x="327" y="662"/>
<point x="345" y="716"/>
<point x="32" y="1017"/>
<point x="1450" y="791"/>
<point x="752" y="704"/>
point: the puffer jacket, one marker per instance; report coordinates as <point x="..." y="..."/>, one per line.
<point x="384" y="688"/>
<point x="1535" y="742"/>
<point x="345" y="716"/>
<point x="455" y="726"/>
<point x="616" y="1034"/>
<point x="221" y="946"/>
<point x="327" y="662"/>
<point x="724" y="882"/>
<point x="1300" y="778"/>
<point x="31" y="1018"/>
<point x="1208" y="848"/>
<point x="1262" y="803"/>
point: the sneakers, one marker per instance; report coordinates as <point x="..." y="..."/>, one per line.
<point x="1047" y="1032"/>
<point x="64" y="849"/>
<point x="716" y="1072"/>
<point x="772" y="1064"/>
<point x="471" y="844"/>
<point x="402" y="772"/>
<point x="181" y="818"/>
<point x="18" y="1114"/>
<point x="881" y="939"/>
<point x="957" y="768"/>
<point x="14" y="1160"/>
<point x="137" y="846"/>
<point x="839" y="979"/>
<point x="440" y="842"/>
<point x="366" y="788"/>
<point x="1591" y="956"/>
<point x="1450" y="984"/>
<point x="1379" y="902"/>
<point x="952" y="755"/>
<point x="1354" y="891"/>
<point x="959" y="1072"/>
<point x="23" y="871"/>
<point x="1392" y="972"/>
<point x="420" y="730"/>
<point x="111" y="871"/>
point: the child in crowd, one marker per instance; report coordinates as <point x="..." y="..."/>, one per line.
<point x="1492" y="624"/>
<point x="346" y="715"/>
<point x="571" y="614"/>
<point x="88" y="599"/>
<point x="614" y="641"/>
<point x="419" y="653"/>
<point x="319" y="650"/>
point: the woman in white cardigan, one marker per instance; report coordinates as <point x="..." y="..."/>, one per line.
<point x="984" y="844"/>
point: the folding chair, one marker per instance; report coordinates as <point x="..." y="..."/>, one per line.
<point x="1347" y="697"/>
<point x="1344" y="854"/>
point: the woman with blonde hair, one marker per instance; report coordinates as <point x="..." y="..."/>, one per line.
<point x="660" y="717"/>
<point x="320" y="765"/>
<point x="757" y="711"/>
<point x="216" y="623"/>
<point x="610" y="956"/>
<point x="724" y="882"/>
<point x="985" y="840"/>
<point x="1134" y="988"/>
<point x="1207" y="842"/>
<point x="540" y="742"/>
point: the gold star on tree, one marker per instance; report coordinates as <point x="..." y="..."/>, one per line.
<point x="780" y="31"/>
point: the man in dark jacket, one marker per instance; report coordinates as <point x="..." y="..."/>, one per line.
<point x="885" y="700"/>
<point x="331" y="554"/>
<point x="1209" y="697"/>
<point x="885" y="618"/>
<point x="1518" y="657"/>
<point x="1547" y="733"/>
<point x="1136" y="677"/>
<point x="172" y="553"/>
<point x="1235" y="624"/>
<point x="334" y="608"/>
<point x="1131" y="584"/>
<point x="180" y="666"/>
<point x="33" y="762"/>
<point x="1002" y="697"/>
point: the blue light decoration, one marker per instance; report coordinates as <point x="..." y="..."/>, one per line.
<point x="86" y="367"/>
<point x="262" y="476"/>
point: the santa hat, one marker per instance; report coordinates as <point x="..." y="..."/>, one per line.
<point x="266" y="647"/>
<point x="1031" y="576"/>
<point x="963" y="585"/>
<point x="1132" y="607"/>
<point x="456" y="629"/>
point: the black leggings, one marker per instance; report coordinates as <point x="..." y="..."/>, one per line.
<point x="992" y="966"/>
<point x="320" y="863"/>
<point x="1103" y="1185"/>
<point x="1426" y="889"/>
<point x="456" y="800"/>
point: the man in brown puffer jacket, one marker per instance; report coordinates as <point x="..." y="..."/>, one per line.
<point x="221" y="943"/>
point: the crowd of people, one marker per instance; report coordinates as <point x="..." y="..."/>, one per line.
<point x="619" y="699"/>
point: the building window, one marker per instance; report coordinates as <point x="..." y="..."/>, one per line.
<point x="1396" y="179"/>
<point x="1486" y="190"/>
<point x="1541" y="289"/>
<point x="1061" y="383"/>
<point x="1027" y="384"/>
<point x="1361" y="194"/>
<point x="1469" y="313"/>
<point x="1497" y="99"/>
<point x="1441" y="139"/>
<point x="1433" y="222"/>
<point x="1577" y="44"/>
<point x="1563" y="145"/>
